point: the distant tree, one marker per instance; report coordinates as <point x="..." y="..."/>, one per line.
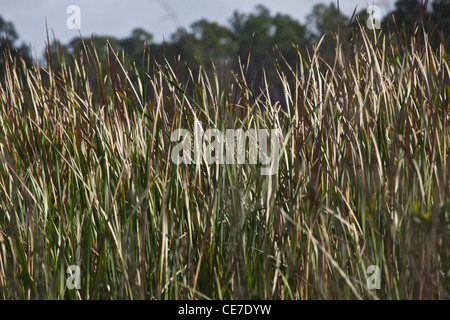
<point x="410" y="16"/>
<point x="265" y="37"/>
<point x="254" y="33"/>
<point x="59" y="53"/>
<point x="287" y="33"/>
<point x="95" y="50"/>
<point x="216" y="41"/>
<point x="134" y="44"/>
<point x="8" y="39"/>
<point x="184" y="47"/>
<point x="325" y="19"/>
<point x="328" y="21"/>
<point x="407" y="15"/>
<point x="441" y="17"/>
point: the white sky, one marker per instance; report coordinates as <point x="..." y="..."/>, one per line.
<point x="159" y="17"/>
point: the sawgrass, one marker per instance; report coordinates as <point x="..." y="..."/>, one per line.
<point x="86" y="178"/>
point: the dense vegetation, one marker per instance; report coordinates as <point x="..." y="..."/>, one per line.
<point x="262" y="34"/>
<point x="86" y="176"/>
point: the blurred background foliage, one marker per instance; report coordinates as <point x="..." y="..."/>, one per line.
<point x="264" y="36"/>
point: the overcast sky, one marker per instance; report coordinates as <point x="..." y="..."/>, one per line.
<point x="159" y="17"/>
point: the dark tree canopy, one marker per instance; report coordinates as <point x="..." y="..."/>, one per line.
<point x="261" y="34"/>
<point x="8" y="39"/>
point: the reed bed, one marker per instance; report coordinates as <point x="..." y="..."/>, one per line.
<point x="86" y="177"/>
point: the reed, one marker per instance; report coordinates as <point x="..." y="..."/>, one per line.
<point x="86" y="178"/>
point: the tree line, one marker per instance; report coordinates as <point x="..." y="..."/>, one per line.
<point x="260" y="40"/>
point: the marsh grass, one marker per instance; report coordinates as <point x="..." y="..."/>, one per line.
<point x="86" y="178"/>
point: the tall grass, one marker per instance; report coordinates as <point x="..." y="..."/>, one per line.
<point x="86" y="178"/>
